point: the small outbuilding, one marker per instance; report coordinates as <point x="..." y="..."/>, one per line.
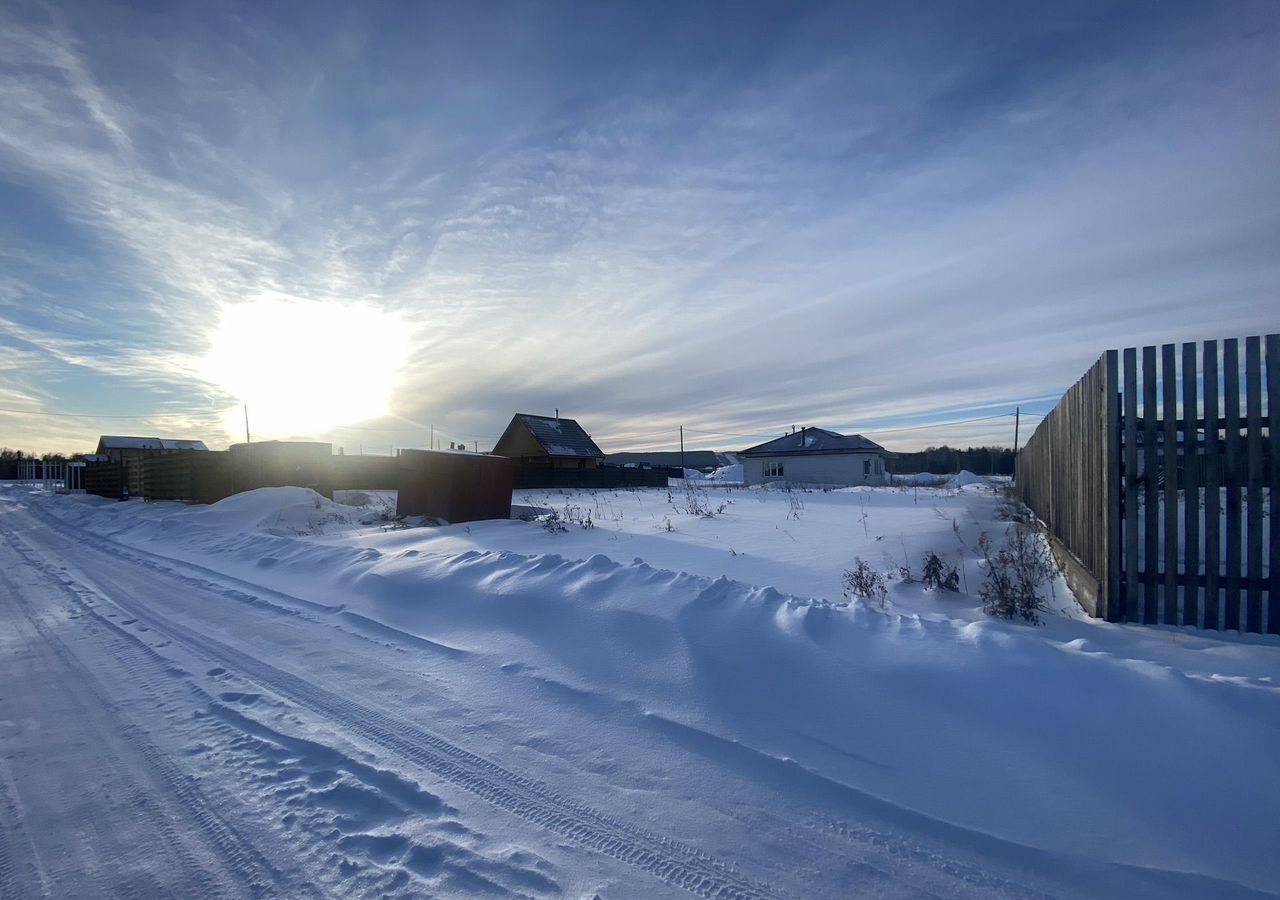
<point x="816" y="456"/>
<point x="548" y="442"/>
<point x="454" y="485"/>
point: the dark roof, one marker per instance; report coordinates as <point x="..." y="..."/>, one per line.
<point x="557" y="436"/>
<point x="693" y="459"/>
<point x="814" y="441"/>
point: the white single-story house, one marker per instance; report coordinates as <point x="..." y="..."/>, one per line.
<point x="816" y="456"/>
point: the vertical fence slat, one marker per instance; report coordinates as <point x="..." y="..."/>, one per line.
<point x="1253" y="510"/>
<point x="1191" y="488"/>
<point x="1169" y="537"/>
<point x="1273" y="480"/>
<point x="1231" y="479"/>
<point x="1110" y="459"/>
<point x="1150" y="501"/>
<point x="1212" y="489"/>
<point x="1132" y="607"/>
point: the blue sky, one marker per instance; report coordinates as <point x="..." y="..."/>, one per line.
<point x="366" y="219"/>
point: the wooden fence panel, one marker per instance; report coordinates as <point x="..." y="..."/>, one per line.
<point x="1151" y="502"/>
<point x="1108" y="460"/>
<point x="1273" y="480"/>
<point x="1172" y="515"/>
<point x="1133" y="611"/>
<point x="1067" y="474"/>
<point x="1253" y="467"/>
<point x="1212" y="490"/>
<point x="1231" y="478"/>
<point x="1191" y="479"/>
<point x="1169" y="533"/>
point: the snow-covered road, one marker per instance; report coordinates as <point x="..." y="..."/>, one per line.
<point x="167" y="730"/>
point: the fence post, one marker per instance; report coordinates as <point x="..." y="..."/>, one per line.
<point x="1273" y="479"/>
<point x="1113" y="602"/>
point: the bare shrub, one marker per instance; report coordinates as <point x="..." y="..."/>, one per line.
<point x="1016" y="572"/>
<point x="553" y="524"/>
<point x="1011" y="509"/>
<point x="939" y="575"/>
<point x="695" y="501"/>
<point x="865" y="583"/>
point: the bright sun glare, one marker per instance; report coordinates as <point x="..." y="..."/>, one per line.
<point x="304" y="366"/>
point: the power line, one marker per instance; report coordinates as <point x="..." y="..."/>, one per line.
<point x="936" y="424"/>
<point x="29" y="412"/>
<point x="869" y="430"/>
<point x="729" y="433"/>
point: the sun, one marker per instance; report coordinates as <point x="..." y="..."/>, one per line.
<point x="304" y="366"/>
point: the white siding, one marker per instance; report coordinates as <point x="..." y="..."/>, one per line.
<point x="828" y="468"/>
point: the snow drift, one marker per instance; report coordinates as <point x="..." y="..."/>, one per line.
<point x="1076" y="738"/>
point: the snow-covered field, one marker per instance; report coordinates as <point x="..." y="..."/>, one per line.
<point x="284" y="695"/>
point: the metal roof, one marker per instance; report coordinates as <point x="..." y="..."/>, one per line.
<point x="814" y="441"/>
<point x="126" y="442"/>
<point x="558" y="437"/>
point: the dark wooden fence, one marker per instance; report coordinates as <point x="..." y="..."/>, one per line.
<point x="1067" y="475"/>
<point x="364" y="473"/>
<point x="1160" y="482"/>
<point x="602" y="477"/>
<point x="105" y="479"/>
<point x="193" y="476"/>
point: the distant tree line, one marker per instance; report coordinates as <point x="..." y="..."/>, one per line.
<point x="9" y="460"/>
<point x="946" y="460"/>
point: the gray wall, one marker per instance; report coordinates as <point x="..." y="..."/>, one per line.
<point x="836" y="468"/>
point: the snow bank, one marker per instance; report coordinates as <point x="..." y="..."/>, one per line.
<point x="923" y="479"/>
<point x="964" y="478"/>
<point x="953" y="719"/>
<point x="733" y="473"/>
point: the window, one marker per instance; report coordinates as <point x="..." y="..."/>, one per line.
<point x="773" y="470"/>
<point x="866" y="468"/>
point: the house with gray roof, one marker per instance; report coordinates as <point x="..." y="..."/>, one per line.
<point x="816" y="456"/>
<point x="548" y="442"/>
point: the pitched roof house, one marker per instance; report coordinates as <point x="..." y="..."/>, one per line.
<point x="548" y="441"/>
<point x="815" y="456"/>
<point x="117" y="447"/>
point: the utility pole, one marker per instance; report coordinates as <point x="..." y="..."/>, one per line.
<point x="247" y="439"/>
<point x="682" y="451"/>
<point x="432" y="443"/>
<point x="1017" y="417"/>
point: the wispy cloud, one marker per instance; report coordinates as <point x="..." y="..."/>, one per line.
<point x="815" y="219"/>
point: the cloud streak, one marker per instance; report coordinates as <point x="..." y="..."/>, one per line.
<point x="821" y="219"/>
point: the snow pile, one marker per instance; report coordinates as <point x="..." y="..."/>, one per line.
<point x="964" y="478"/>
<point x="727" y="635"/>
<point x="276" y="511"/>
<point x="733" y="474"/>
<point x="693" y="475"/>
<point x="921" y="479"/>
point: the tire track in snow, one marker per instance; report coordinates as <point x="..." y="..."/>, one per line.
<point x="8" y="868"/>
<point x="671" y="861"/>
<point x="245" y="863"/>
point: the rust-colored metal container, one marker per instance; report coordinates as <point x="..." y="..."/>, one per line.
<point x="454" y="485"/>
